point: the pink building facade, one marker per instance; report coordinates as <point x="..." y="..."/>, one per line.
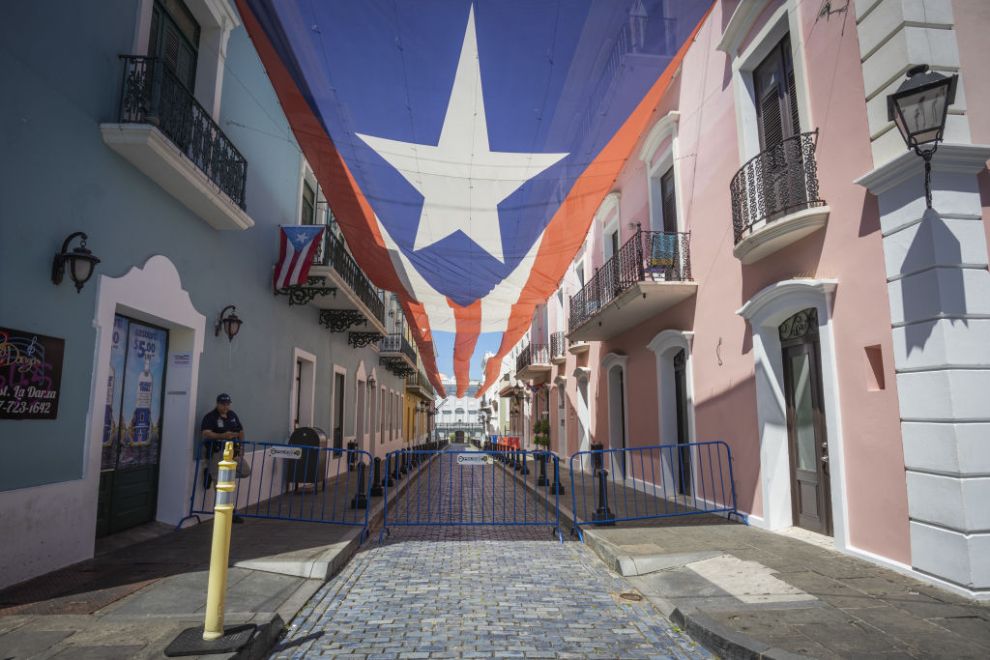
<point x="766" y="267"/>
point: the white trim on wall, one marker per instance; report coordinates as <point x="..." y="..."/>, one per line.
<point x="765" y="311"/>
<point x="307" y="380"/>
<point x="783" y="21"/>
<point x="666" y="127"/>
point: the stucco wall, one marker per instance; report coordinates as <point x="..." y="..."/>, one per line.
<point x="57" y="176"/>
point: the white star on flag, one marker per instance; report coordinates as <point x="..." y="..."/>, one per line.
<point x="461" y="179"/>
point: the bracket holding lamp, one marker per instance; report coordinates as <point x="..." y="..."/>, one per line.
<point x="229" y="323"/>
<point x="80" y="261"/>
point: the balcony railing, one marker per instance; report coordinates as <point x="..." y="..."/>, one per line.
<point x="781" y="180"/>
<point x="558" y="345"/>
<point x="333" y="253"/>
<point x="420" y="380"/>
<point x="397" y="343"/>
<point x="152" y="94"/>
<point x="649" y="256"/>
<point x="532" y="354"/>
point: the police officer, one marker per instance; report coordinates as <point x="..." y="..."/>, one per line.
<point x="219" y="425"/>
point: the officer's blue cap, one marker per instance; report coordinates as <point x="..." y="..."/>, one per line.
<point x="223" y="398"/>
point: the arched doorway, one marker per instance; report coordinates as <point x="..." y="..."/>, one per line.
<point x="614" y="366"/>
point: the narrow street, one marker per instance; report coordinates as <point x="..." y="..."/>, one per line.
<point x="478" y="591"/>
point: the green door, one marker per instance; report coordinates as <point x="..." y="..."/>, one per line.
<point x="132" y="426"/>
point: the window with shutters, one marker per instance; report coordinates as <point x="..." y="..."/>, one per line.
<point x="174" y="39"/>
<point x="776" y="97"/>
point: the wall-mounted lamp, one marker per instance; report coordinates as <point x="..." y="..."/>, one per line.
<point x="372" y="382"/>
<point x="81" y="262"/>
<point x="919" y="108"/>
<point x="229" y="323"/>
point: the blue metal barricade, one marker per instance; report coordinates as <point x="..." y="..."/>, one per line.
<point x="289" y="482"/>
<point x="495" y="487"/>
<point x="642" y="483"/>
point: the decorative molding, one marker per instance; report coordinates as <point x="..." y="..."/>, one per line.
<point x="951" y="158"/>
<point x="302" y="295"/>
<point x="581" y="373"/>
<point x="755" y="307"/>
<point x="667" y="339"/>
<point x="340" y="320"/>
<point x="664" y="128"/>
<point x="739" y="25"/>
<point x="612" y="360"/>
<point x="610" y="202"/>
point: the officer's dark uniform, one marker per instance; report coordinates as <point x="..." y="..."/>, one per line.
<point x="213" y="449"/>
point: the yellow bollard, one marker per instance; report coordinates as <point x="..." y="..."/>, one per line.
<point x="223" y="515"/>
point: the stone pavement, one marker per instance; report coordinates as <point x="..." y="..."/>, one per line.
<point x="478" y="592"/>
<point x="747" y="592"/>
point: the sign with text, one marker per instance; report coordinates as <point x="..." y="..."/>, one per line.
<point x="473" y="459"/>
<point x="30" y="374"/>
<point x="291" y="453"/>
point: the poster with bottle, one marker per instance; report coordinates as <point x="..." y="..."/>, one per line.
<point x="143" y="387"/>
<point x="111" y="417"/>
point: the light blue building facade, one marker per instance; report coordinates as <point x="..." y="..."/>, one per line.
<point x="181" y="200"/>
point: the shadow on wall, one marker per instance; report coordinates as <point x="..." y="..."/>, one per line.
<point x="931" y="293"/>
<point x="730" y="415"/>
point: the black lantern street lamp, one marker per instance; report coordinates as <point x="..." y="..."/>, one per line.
<point x="229" y="323"/>
<point x="919" y="108"/>
<point x="80" y="261"/>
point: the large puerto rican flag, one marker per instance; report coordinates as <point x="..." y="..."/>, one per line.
<point x="465" y="145"/>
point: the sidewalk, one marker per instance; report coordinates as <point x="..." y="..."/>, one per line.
<point x="133" y="600"/>
<point x="747" y="593"/>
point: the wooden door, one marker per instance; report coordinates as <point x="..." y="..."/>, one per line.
<point x="683" y="468"/>
<point x="806" y="433"/>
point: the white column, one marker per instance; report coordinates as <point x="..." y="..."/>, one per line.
<point x="939" y="292"/>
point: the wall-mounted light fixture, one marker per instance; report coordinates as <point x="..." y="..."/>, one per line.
<point x="230" y="323"/>
<point x="919" y="108"/>
<point x="372" y="382"/>
<point x="80" y="262"/>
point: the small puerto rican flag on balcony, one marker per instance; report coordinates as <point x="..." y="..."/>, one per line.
<point x="296" y="249"/>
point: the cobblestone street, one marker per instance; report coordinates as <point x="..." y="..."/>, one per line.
<point x="473" y="592"/>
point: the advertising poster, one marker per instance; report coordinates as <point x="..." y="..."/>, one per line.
<point x="111" y="418"/>
<point x="30" y="374"/>
<point x="143" y="387"/>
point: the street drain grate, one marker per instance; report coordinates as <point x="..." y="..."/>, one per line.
<point x="631" y="596"/>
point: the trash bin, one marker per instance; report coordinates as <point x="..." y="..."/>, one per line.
<point x="311" y="466"/>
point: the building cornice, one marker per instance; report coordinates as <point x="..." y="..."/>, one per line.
<point x="739" y="25"/>
<point x="954" y="158"/>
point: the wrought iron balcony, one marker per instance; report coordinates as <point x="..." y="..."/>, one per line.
<point x="533" y="362"/>
<point x="647" y="257"/>
<point x="776" y="183"/>
<point x="558" y="346"/>
<point x="396" y="344"/>
<point x="152" y="94"/>
<point x="419" y="380"/>
<point x="334" y="254"/>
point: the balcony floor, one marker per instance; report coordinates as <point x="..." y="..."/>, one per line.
<point x="636" y="304"/>
<point x="345" y="298"/>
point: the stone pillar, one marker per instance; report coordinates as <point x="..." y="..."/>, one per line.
<point x="939" y="293"/>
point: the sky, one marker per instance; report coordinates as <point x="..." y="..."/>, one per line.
<point x="444" y="341"/>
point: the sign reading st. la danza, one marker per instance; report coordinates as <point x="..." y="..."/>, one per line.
<point x="30" y="374"/>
